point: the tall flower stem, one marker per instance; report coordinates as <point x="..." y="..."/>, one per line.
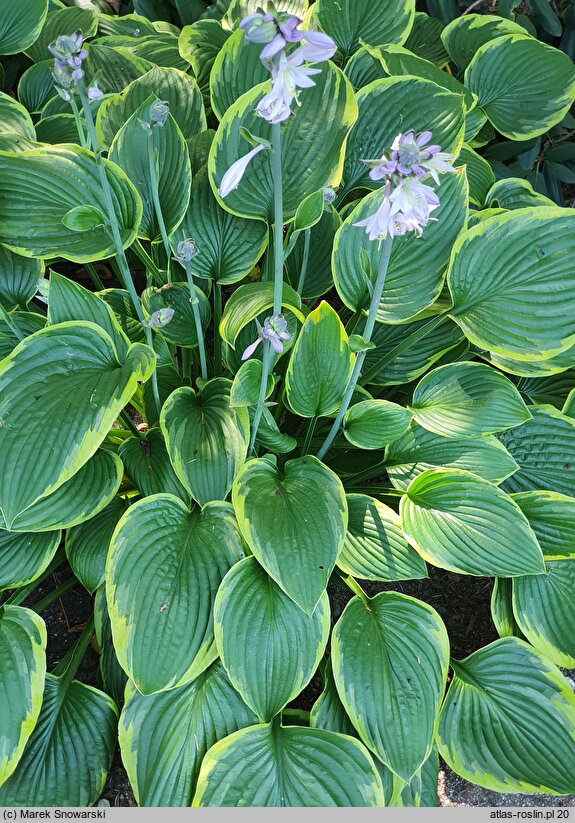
<point x="78" y="121"/>
<point x="156" y="200"/>
<point x="197" y="320"/>
<point x="304" y="261"/>
<point x="308" y="436"/>
<point x="217" y="336"/>
<point x="267" y="358"/>
<point x="113" y="224"/>
<point x="367" y="332"/>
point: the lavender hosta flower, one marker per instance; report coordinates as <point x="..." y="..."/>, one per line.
<point x="328" y="196"/>
<point x="69" y="54"/>
<point x="159" y="112"/>
<point x="186" y="251"/>
<point x="317" y="47"/>
<point x="274" y="330"/>
<point x="411" y="156"/>
<point x="232" y="178"/>
<point x="94" y="92"/>
<point x="288" y="76"/>
<point x="160" y="318"/>
<point x="386" y="221"/>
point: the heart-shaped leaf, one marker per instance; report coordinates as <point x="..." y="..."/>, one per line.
<point x="467" y="400"/>
<point x="374" y="546"/>
<point x="459" y="522"/>
<point x="22" y="672"/>
<point x="272" y="765"/>
<point x="508" y="721"/>
<point x="162" y="574"/>
<point x="419" y="450"/>
<point x="255" y="620"/>
<point x="40" y="186"/>
<point x="20" y="27"/>
<point x="206" y="438"/>
<point x="373" y="424"/>
<point x="88" y="390"/>
<point x="390" y="656"/>
<point x="294" y="522"/>
<point x="193" y="717"/>
<point x="352" y="22"/>
<point x="466" y="34"/>
<point x="516" y="266"/>
<point x="248" y="301"/>
<point x="67" y="756"/>
<point x="320" y="365"/>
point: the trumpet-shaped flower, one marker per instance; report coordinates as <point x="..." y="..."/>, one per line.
<point x="411" y="156"/>
<point x="274" y="330"/>
<point x="288" y="76"/>
<point x="69" y="54"/>
<point x="232" y="178"/>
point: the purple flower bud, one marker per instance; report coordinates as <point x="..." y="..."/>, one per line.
<point x="274" y="330"/>
<point x="159" y="111"/>
<point x="94" y="93"/>
<point x="160" y="318"/>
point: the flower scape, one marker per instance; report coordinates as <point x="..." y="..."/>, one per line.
<point x="287" y="408"/>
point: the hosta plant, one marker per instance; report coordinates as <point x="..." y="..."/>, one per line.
<point x="330" y="348"/>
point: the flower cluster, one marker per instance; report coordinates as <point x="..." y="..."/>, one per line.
<point x="69" y="54"/>
<point x="274" y="330"/>
<point x="407" y="202"/>
<point x="288" y="71"/>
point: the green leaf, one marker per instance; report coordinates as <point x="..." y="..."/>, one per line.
<point x="502" y="608"/>
<point x="270" y="765"/>
<point x="199" y="45"/>
<point x="87" y="544"/>
<point x="513" y="193"/>
<point x="479" y="174"/>
<point x="374" y="547"/>
<point x="328" y="711"/>
<point x="419" y="450"/>
<point x="177" y="88"/>
<point x="459" y="522"/>
<point x="466" y="34"/>
<point x="181" y="329"/>
<point x="309" y="212"/>
<point x="255" y="620"/>
<point x="425" y="38"/>
<point x="28" y="323"/>
<point x="14" y="117"/>
<point x="516" y="266"/>
<point x="246" y="385"/>
<point x="415" y="359"/>
<point x="249" y="301"/>
<point x="373" y="424"/>
<point x="417" y="265"/>
<point x="519" y="104"/>
<point x="552" y="517"/>
<point x="270" y="437"/>
<point x="354" y="22"/>
<point x="312" y="153"/>
<point x="467" y="400"/>
<point x="22" y="672"/>
<point x="147" y="464"/>
<point x="163" y="571"/>
<point x="385" y="107"/>
<point x="294" y="522"/>
<point x="67" y="756"/>
<point x="84" y="218"/>
<point x="92" y="388"/>
<point x="63" y="22"/>
<point x="69" y="301"/>
<point x="19" y="278"/>
<point x="113" y="68"/>
<point x="229" y="246"/>
<point x="110" y="674"/>
<point x="192" y="717"/>
<point x="86" y="493"/>
<point x="544" y="448"/>
<point x="20" y="26"/>
<point x="543" y="607"/>
<point x="237" y="68"/>
<point x="363" y="68"/>
<point x="57" y="129"/>
<point x="320" y="365"/>
<point x="508" y="721"/>
<point x="36" y="86"/>
<point x="24" y="556"/>
<point x="130" y="151"/>
<point x="390" y="656"/>
<point x="159" y="49"/>
<point x="40" y="186"/>
<point x="206" y="438"/>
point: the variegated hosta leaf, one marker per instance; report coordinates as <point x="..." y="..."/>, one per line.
<point x="147" y="464"/>
<point x="352" y="22"/>
<point x="25" y="555"/>
<point x="206" y="438"/>
<point x="87" y="544"/>
<point x="552" y="517"/>
<point x="67" y="756"/>
<point x="164" y="568"/>
<point x="390" y="656"/>
<point x="459" y="522"/>
<point x="273" y="765"/>
<point x="294" y="522"/>
<point x="253" y="621"/>
<point x="192" y="717"/>
<point x="65" y="372"/>
<point x="20" y="26"/>
<point x="22" y="672"/>
<point x="508" y="721"/>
